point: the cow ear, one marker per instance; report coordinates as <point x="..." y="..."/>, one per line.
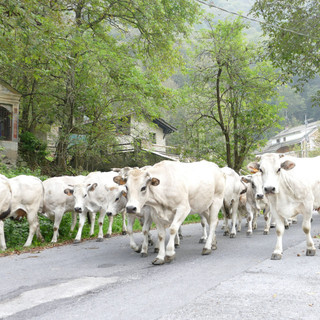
<point x="68" y="192"/>
<point x="246" y="179"/>
<point x="92" y="187"/>
<point x="288" y="165"/>
<point x="155" y="182"/>
<point x="116" y="169"/>
<point x="253" y="167"/>
<point x="119" y="180"/>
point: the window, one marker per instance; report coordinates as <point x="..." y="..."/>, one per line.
<point x="152" y="137"/>
<point x="278" y="140"/>
<point x="5" y="123"/>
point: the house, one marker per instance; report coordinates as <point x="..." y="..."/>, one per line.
<point x="298" y="141"/>
<point x="151" y="136"/>
<point x="9" y="119"/>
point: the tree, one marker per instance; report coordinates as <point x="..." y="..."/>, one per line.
<point x="232" y="96"/>
<point x="98" y="59"/>
<point x="292" y="35"/>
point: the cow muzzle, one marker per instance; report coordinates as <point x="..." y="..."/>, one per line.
<point x="131" y="209"/>
<point x="270" y="190"/>
<point x="109" y="214"/>
<point x="78" y="209"/>
<point x="259" y="196"/>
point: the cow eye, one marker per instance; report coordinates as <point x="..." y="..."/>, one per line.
<point x="84" y="195"/>
<point x="253" y="186"/>
<point x="117" y="199"/>
<point x="278" y="171"/>
<point x="143" y="188"/>
<point x="261" y="170"/>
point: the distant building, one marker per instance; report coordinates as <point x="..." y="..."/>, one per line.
<point x="9" y="120"/>
<point x="297" y="141"/>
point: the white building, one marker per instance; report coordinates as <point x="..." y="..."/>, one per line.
<point x="9" y="119"/>
<point x="298" y="141"/>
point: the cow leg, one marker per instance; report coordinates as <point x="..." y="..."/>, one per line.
<point x="249" y="220"/>
<point x="2" y="238"/>
<point x="306" y="226"/>
<point x="100" y="223"/>
<point x="277" y="253"/>
<point x="74" y="220"/>
<point x="179" y="217"/>
<point x="145" y="231"/>
<point x="124" y="226"/>
<point x="57" y="220"/>
<point x="82" y="220"/>
<point x="131" y="218"/>
<point x="33" y="226"/>
<point x="204" y="217"/>
<point x="211" y="243"/>
<point x="160" y="259"/>
<point x="255" y="217"/>
<point x="226" y="224"/>
<point x="239" y="221"/>
<point x="267" y="218"/>
<point x="234" y="209"/>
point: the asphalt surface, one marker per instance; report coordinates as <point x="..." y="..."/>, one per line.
<point x="107" y="280"/>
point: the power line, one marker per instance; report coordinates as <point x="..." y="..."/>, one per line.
<point x="255" y="20"/>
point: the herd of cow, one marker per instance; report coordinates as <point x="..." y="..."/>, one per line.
<point x="166" y="193"/>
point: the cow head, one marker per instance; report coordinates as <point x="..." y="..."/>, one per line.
<point x="115" y="200"/>
<point x="270" y="167"/>
<point x="137" y="183"/>
<point x="255" y="181"/>
<point x="80" y="193"/>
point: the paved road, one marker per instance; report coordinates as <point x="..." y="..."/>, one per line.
<point x="106" y="280"/>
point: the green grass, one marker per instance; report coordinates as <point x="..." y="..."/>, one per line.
<point x="16" y="232"/>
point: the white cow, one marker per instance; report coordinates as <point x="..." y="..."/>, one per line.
<point x="56" y="203"/>
<point x="292" y="186"/>
<point x="256" y="202"/>
<point x="234" y="188"/>
<point x="174" y="190"/>
<point x="92" y="195"/>
<point x="21" y="196"/>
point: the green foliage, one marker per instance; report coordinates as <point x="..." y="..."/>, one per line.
<point x="232" y="97"/>
<point x="32" y="150"/>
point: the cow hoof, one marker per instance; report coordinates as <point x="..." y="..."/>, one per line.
<point x="294" y="221"/>
<point x="272" y="226"/>
<point x="232" y="235"/>
<point x="144" y="254"/>
<point x="150" y="243"/>
<point x="265" y="232"/>
<point x="276" y="256"/>
<point x="286" y="227"/>
<point x="180" y="236"/>
<point x="206" y="251"/>
<point x="156" y="250"/>
<point x="202" y="240"/>
<point x="226" y="233"/>
<point x="177" y="245"/>
<point x="124" y="233"/>
<point x="108" y="235"/>
<point x="157" y="262"/>
<point x="99" y="240"/>
<point x="76" y="241"/>
<point x="249" y="233"/>
<point x="311" y="252"/>
<point x="169" y="259"/>
<point x="214" y="247"/>
<point x="138" y="250"/>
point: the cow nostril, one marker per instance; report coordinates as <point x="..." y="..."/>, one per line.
<point x="131" y="209"/>
<point x="269" y="189"/>
<point x="79" y="210"/>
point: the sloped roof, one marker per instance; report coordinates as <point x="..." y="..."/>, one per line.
<point x="167" y="128"/>
<point x="8" y="87"/>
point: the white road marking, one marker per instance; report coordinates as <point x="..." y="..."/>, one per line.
<point x="33" y="298"/>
